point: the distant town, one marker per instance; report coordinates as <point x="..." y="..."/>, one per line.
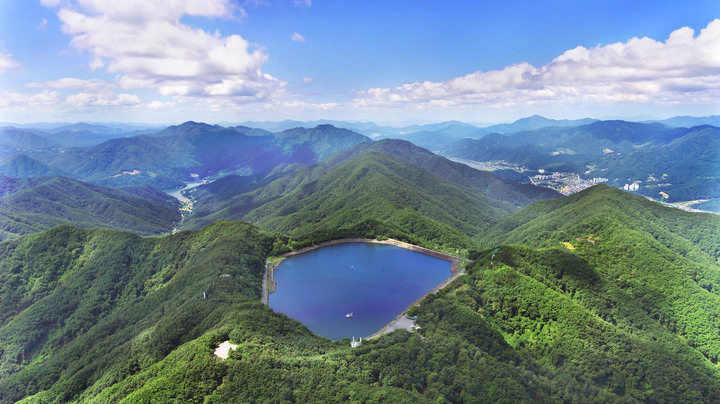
<point x="563" y="182"/>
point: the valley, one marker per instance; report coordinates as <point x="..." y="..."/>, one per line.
<point x="302" y="201"/>
<point x="572" y="289"/>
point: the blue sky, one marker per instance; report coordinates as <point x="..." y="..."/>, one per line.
<point x="476" y="61"/>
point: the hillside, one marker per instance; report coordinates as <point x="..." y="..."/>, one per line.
<point x="19" y="141"/>
<point x="687" y="168"/>
<point x="611" y="298"/>
<point x="401" y="185"/>
<point x="103" y="315"/>
<point x="643" y="281"/>
<point x="23" y="166"/>
<point x="32" y="205"/>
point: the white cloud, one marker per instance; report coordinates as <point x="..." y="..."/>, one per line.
<point x="684" y="68"/>
<point x="297" y="37"/>
<point x="66" y="83"/>
<point x="148" y="46"/>
<point x="306" y="3"/>
<point x="307" y="80"/>
<point x="85" y="99"/>
<point x="16" y="100"/>
<point x="7" y="62"/>
<point x="160" y="105"/>
<point x="50" y="3"/>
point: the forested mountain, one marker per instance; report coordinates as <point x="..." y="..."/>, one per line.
<point x="36" y="204"/>
<point x="601" y="296"/>
<point x="580" y="143"/>
<point x="684" y="169"/>
<point x="680" y="162"/>
<point x="23" y="166"/>
<point x="532" y="123"/>
<point x="392" y="181"/>
<point x="167" y="157"/>
<point x="19" y="141"/>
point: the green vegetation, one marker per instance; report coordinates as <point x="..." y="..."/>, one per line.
<point x="36" y="204"/>
<point x="601" y="296"/>
<point x="22" y="166"/>
<point x="86" y="308"/>
<point x="682" y="162"/>
<point x="411" y="193"/>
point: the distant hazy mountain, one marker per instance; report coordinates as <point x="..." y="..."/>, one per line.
<point x="32" y="205"/>
<point x="532" y="123"/>
<point x="95" y="128"/>
<point x="23" y="166"/>
<point x="171" y="155"/>
<point x="18" y="141"/>
<point x="435" y="135"/>
<point x="690" y="121"/>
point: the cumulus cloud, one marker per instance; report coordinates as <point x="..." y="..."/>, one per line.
<point x="7" y="62"/>
<point x="16" y="100"/>
<point x="160" y="105"/>
<point x="297" y="37"/>
<point x="86" y="99"/>
<point x="682" y="68"/>
<point x="148" y="46"/>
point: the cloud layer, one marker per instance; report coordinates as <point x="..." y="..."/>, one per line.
<point x="148" y="46"/>
<point x="684" y="68"/>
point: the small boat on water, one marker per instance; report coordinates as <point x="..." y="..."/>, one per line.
<point x="349" y="315"/>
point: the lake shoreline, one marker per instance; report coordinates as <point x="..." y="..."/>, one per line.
<point x="269" y="285"/>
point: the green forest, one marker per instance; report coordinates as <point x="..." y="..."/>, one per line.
<point x="596" y="297"/>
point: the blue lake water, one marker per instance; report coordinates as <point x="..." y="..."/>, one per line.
<point x="373" y="281"/>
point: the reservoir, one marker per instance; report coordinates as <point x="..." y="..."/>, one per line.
<point x="177" y="193"/>
<point x="374" y="282"/>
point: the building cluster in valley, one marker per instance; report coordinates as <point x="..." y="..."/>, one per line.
<point x="565" y="183"/>
<point x="632" y="187"/>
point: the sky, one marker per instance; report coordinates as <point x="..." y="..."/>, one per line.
<point x="399" y="61"/>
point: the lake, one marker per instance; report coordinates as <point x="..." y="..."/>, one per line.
<point x="375" y="282"/>
<point x="177" y="193"/>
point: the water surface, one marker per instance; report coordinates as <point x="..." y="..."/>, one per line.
<point x="375" y="282"/>
<point x="177" y="192"/>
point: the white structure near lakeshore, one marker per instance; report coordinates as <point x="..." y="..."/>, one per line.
<point x="355" y="344"/>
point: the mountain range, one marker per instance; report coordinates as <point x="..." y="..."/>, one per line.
<point x="599" y="296"/>
<point x="674" y="164"/>
<point x="393" y="181"/>
<point x="167" y="157"/>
